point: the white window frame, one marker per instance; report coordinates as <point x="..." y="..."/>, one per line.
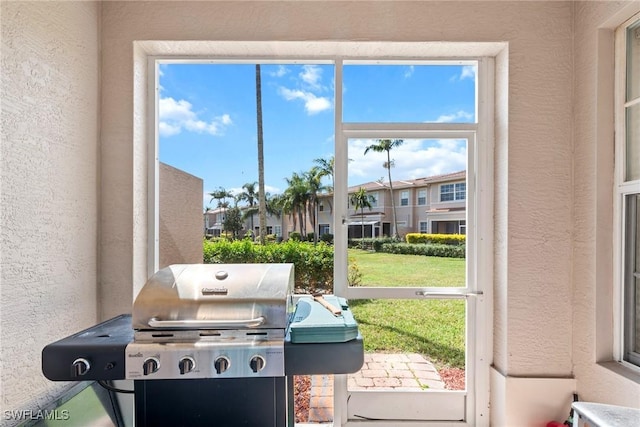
<point x="320" y="229"/>
<point x="481" y="266"/>
<point x="454" y="192"/>
<point x="408" y="198"/>
<point x="426" y="227"/>
<point x="622" y="189"/>
<point x="423" y="196"/>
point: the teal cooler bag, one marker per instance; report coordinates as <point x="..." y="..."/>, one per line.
<point x="314" y="323"/>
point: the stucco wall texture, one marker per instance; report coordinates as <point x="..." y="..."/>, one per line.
<point x="592" y="190"/>
<point x="181" y="224"/>
<point x="49" y="201"/>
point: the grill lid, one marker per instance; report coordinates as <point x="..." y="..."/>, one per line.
<point x="216" y="296"/>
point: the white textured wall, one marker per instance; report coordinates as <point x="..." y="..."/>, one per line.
<point x="180" y="222"/>
<point x="593" y="185"/>
<point x="49" y="176"/>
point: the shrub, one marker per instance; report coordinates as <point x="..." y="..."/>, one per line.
<point x="270" y="238"/>
<point x="444" y="239"/>
<point x="327" y="238"/>
<point x="354" y="275"/>
<point x="439" y="250"/>
<point x="371" y="243"/>
<point x="294" y="235"/>
<point x="313" y="263"/>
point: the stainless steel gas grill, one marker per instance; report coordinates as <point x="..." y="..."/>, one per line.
<point x="210" y="344"/>
<point x="211" y="321"/>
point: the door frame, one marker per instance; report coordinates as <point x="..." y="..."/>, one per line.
<point x="479" y="269"/>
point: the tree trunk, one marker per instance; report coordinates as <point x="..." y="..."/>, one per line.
<point x="394" y="231"/>
<point x="262" y="204"/>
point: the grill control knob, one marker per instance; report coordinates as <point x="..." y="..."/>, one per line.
<point x="150" y="366"/>
<point x="186" y="364"/>
<point x="221" y="364"/>
<point x="80" y="367"/>
<point x="257" y="363"/>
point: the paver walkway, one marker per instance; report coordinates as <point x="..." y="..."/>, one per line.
<point x="380" y="371"/>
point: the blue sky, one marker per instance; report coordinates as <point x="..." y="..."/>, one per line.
<point x="207" y="119"/>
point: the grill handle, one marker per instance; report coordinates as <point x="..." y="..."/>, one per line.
<point x="206" y="324"/>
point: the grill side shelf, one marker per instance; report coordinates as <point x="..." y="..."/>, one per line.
<point x="323" y="358"/>
<point x="96" y="353"/>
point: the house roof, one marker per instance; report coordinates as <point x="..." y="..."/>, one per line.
<point x="419" y="182"/>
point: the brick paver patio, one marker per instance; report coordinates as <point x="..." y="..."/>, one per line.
<point x="380" y="371"/>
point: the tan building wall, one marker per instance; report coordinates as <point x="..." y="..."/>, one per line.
<point x="49" y="204"/>
<point x="180" y="217"/>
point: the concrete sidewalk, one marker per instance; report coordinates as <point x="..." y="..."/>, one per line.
<point x="380" y="371"/>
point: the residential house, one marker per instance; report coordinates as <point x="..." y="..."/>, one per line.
<point x="433" y="204"/>
<point x="214" y="219"/>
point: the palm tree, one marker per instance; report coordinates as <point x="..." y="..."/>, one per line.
<point x="262" y="202"/>
<point x="326" y="168"/>
<point x="314" y="186"/>
<point x="221" y="195"/>
<point x="360" y="200"/>
<point x="297" y="196"/>
<point x="387" y="145"/>
<point x="250" y="196"/>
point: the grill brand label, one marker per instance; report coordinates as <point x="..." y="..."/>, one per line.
<point x="215" y="291"/>
<point x="138" y="354"/>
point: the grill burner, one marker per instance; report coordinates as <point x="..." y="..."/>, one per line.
<point x="210" y="345"/>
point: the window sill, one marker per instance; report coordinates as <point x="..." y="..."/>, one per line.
<point x="632" y="374"/>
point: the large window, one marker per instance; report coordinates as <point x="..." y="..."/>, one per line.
<point x="453" y="192"/>
<point x="627" y="186"/>
<point x="461" y="139"/>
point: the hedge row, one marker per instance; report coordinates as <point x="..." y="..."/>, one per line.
<point x="443" y="239"/>
<point x="371" y="243"/>
<point x="313" y="263"/>
<point x="440" y="250"/>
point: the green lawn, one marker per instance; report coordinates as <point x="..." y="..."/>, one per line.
<point x="434" y="328"/>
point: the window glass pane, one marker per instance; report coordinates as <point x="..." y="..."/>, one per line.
<point x="633" y="143"/>
<point x="208" y="128"/>
<point x="416" y="165"/>
<point x="410" y="345"/>
<point x="632" y="279"/>
<point x="461" y="191"/>
<point x="633" y="61"/>
<point x="446" y="192"/>
<point x="409" y="93"/>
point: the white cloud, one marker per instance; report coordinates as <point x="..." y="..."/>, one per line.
<point x="459" y="116"/>
<point x="468" y="72"/>
<point x="414" y="159"/>
<point x="176" y="116"/>
<point x="312" y="76"/>
<point x="225" y="119"/>
<point x="309" y="90"/>
<point x="168" y="130"/>
<point x="312" y="104"/>
<point x="279" y="72"/>
<point x="409" y="71"/>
